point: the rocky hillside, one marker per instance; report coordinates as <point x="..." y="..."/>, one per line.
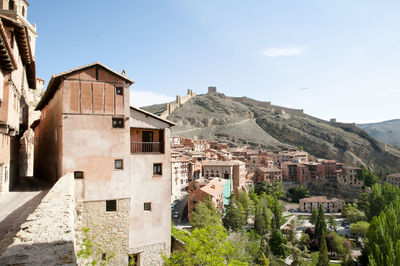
<point x="386" y="131"/>
<point x="240" y="121"/>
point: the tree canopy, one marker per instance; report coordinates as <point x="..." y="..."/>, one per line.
<point x="383" y="237"/>
<point x="205" y="214"/>
<point x="298" y="193"/>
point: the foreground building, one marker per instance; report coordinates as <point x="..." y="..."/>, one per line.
<point x="120" y="157"/>
<point x="17" y="83"/>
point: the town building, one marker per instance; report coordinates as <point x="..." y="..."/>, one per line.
<point x="292" y="156"/>
<point x="394" y="179"/>
<point x="180" y="177"/>
<point x="233" y="170"/>
<point x="348" y="177"/>
<point x="330" y="205"/>
<point x="270" y="175"/>
<point x="17" y="86"/>
<point x="212" y="191"/>
<point x="120" y="157"/>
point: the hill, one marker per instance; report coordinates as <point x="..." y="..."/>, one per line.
<point x="244" y="121"/>
<point x="386" y="131"/>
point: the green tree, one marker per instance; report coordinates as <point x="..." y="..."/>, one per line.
<point x="320" y="225"/>
<point x="368" y="176"/>
<point x="205" y="214"/>
<point x="276" y="208"/>
<point x="332" y="222"/>
<point x="208" y="245"/>
<point x="336" y="244"/>
<point x="275" y="189"/>
<point x="234" y="218"/>
<point x="323" y="259"/>
<point x="247" y="204"/>
<point x="359" y="228"/>
<point x="352" y="214"/>
<point x="314" y="216"/>
<point x="298" y="193"/>
<point x="263" y="216"/>
<point x="379" y="198"/>
<point x="278" y="243"/>
<point x="382" y="245"/>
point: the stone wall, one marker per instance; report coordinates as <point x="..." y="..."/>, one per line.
<point x="108" y="231"/>
<point x="151" y="254"/>
<point x="48" y="235"/>
<point x="180" y="100"/>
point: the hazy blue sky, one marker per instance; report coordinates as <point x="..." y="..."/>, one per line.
<point x="335" y="59"/>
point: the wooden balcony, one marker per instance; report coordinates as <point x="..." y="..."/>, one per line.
<point x="147" y="147"/>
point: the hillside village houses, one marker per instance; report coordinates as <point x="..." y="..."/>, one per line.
<point x="394" y="179"/>
<point x="18" y="92"/>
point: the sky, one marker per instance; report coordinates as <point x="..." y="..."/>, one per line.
<point x="334" y="59"/>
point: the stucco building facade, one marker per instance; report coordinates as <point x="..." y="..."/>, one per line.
<point x="120" y="157"/>
<point x="17" y="83"/>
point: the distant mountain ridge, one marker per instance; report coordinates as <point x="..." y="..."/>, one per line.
<point x="244" y="121"/>
<point x="386" y="131"/>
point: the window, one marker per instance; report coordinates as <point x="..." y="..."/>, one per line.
<point x="11" y="5"/>
<point x="119" y="164"/>
<point x="111" y="205"/>
<point x="97" y="73"/>
<point x="134" y="259"/>
<point x="157" y="169"/>
<point x="119" y="91"/>
<point x="78" y="175"/>
<point x="118" y="123"/>
<point x="147" y="206"/>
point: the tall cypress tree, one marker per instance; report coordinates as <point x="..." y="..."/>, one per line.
<point x="323" y="259"/>
<point x="320" y="225"/>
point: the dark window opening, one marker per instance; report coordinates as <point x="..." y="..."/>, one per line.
<point x="11" y="5"/>
<point x="134" y="259"/>
<point x="118" y="123"/>
<point x="147" y="206"/>
<point x="119" y="90"/>
<point x="12" y="40"/>
<point x="111" y="205"/>
<point x="78" y="175"/>
<point x="23" y="11"/>
<point x="119" y="164"/>
<point x="157" y="169"/>
<point x="97" y="74"/>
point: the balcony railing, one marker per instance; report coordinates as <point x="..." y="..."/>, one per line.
<point x="147" y="147"/>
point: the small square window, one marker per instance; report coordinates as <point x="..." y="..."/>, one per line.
<point x="119" y="164"/>
<point x="111" y="205"/>
<point x="78" y="175"/>
<point x="134" y="259"/>
<point x="118" y="123"/>
<point x="157" y="169"/>
<point x="119" y="91"/>
<point x="147" y="206"/>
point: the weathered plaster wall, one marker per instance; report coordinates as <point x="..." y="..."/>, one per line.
<point x="150" y="231"/>
<point x="48" y="235"/>
<point x="48" y="133"/>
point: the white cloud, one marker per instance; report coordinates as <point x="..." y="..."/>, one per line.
<point x="285" y="51"/>
<point x="145" y="98"/>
